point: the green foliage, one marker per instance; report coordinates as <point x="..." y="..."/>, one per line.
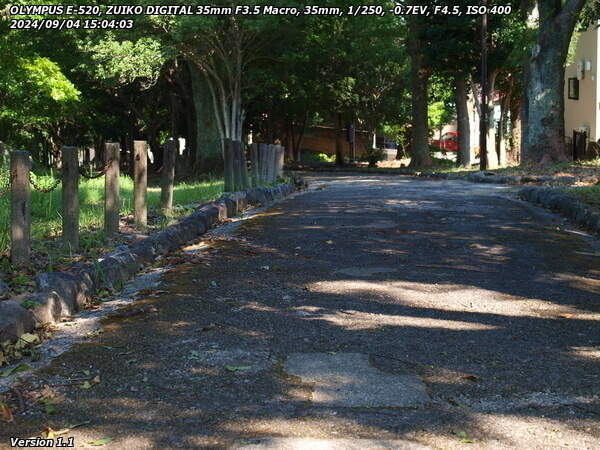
<point x="46" y="208"/>
<point x="373" y="156"/>
<point x="310" y="157"/>
<point x="124" y="62"/>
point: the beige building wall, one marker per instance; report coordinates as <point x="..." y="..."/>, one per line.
<point x="583" y="112"/>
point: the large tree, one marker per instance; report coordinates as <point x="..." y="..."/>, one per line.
<point x="543" y="138"/>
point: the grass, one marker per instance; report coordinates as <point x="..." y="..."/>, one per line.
<point x="586" y="194"/>
<point x="47" y="220"/>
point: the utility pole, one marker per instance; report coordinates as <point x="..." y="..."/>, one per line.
<point x="483" y="117"/>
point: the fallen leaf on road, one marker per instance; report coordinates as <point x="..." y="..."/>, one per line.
<point x="96" y="379"/>
<point x="19" y="368"/>
<point x="48" y="433"/>
<point x="565" y="316"/>
<point x="86" y="385"/>
<point x="6" y="412"/>
<point x="464" y="437"/>
<point x="471" y="377"/>
<point x="70" y="427"/>
<point x="329" y="242"/>
<point x="49" y="406"/>
<point x="236" y="368"/>
<point x="100" y="442"/>
<point x="30" y="338"/>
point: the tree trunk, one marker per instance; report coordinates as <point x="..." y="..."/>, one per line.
<point x="419" y="75"/>
<point x="462" y="120"/>
<point x="492" y="154"/>
<point x="208" y="140"/>
<point x="544" y="128"/>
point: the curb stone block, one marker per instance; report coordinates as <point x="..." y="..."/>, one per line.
<point x="212" y="214"/>
<point x="66" y="287"/>
<point x="14" y="320"/>
<point x="230" y="204"/>
<point x="110" y="274"/>
<point x="563" y="203"/>
<point x="48" y="308"/>
<point x="256" y="196"/>
<point x="144" y="251"/>
<point x="164" y="241"/>
<point x="127" y="262"/>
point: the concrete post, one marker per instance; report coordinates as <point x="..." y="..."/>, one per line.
<point x="255" y="165"/>
<point x="70" y="198"/>
<point x="20" y="208"/>
<point x="168" y="175"/>
<point x="271" y="163"/>
<point x="112" y="201"/>
<point x="244" y="183"/>
<point x="263" y="156"/>
<point x="228" y="163"/>
<point x="279" y="160"/>
<point x="140" y="182"/>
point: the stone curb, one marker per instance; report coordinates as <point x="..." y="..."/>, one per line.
<point x="563" y="204"/>
<point x="61" y="294"/>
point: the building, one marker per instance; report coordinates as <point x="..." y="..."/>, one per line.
<point x="582" y="100"/>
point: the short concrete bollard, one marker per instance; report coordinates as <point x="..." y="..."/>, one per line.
<point x="279" y="160"/>
<point x="70" y="198"/>
<point x="112" y="201"/>
<point x="140" y="182"/>
<point x="168" y="176"/>
<point x="20" y="208"/>
<point x="244" y="166"/>
<point x="228" y="155"/>
<point x="255" y="165"/>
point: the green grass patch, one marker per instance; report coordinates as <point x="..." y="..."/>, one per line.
<point x="47" y="219"/>
<point x="586" y="194"/>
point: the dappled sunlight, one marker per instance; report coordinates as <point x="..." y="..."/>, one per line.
<point x="576" y="281"/>
<point x="356" y="320"/>
<point x="444" y="297"/>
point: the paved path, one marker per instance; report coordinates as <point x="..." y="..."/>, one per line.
<point x="376" y="312"/>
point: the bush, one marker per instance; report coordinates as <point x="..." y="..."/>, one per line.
<point x="373" y="156"/>
<point x="310" y="157"/>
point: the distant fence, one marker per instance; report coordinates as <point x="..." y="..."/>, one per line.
<point x="266" y="166"/>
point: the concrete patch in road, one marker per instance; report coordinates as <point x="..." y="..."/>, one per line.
<point x="365" y="271"/>
<point x="348" y="380"/>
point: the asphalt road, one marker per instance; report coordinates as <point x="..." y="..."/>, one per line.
<point x="372" y="312"/>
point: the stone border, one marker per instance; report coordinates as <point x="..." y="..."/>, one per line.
<point x="566" y="205"/>
<point x="61" y="294"/>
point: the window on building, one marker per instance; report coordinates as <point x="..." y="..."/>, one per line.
<point x="573" y="89"/>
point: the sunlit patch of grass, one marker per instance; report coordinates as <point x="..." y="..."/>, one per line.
<point x="46" y="218"/>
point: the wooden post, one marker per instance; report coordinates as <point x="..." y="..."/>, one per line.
<point x="243" y="166"/>
<point x="255" y="165"/>
<point x="228" y="164"/>
<point x="263" y="156"/>
<point x="70" y="198"/>
<point x="271" y="163"/>
<point x="279" y="162"/>
<point x="112" y="201"/>
<point x="168" y="175"/>
<point x="140" y="182"/>
<point x="20" y="208"/>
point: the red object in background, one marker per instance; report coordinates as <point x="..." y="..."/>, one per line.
<point x="448" y="142"/>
